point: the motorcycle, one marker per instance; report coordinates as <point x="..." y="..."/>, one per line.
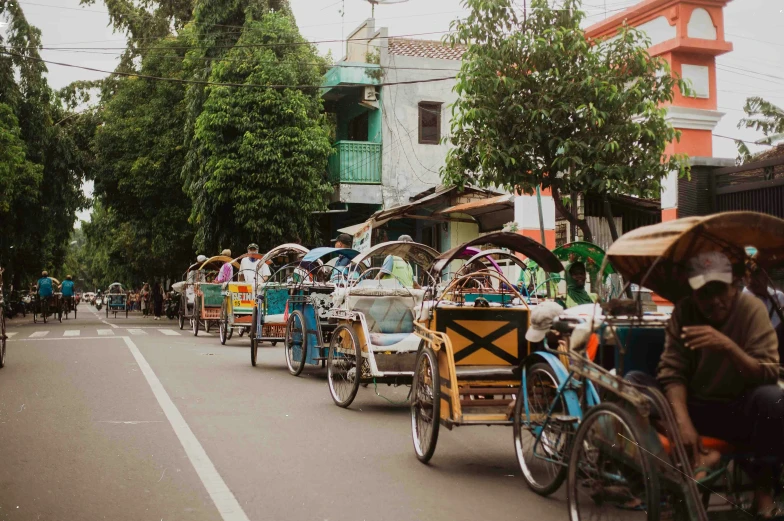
<point x="14" y="305"/>
<point x="172" y="305"/>
<point x="98" y="302"/>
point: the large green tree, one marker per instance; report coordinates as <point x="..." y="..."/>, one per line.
<point x="139" y="157"/>
<point x="257" y="154"/>
<point x="540" y="104"/>
<point x="762" y="116"/>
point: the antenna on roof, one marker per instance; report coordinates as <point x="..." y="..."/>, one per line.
<point x="374" y="3"/>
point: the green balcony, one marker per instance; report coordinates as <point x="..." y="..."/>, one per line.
<point x="355" y="162"/>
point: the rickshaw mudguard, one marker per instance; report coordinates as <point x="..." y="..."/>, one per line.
<point x="566" y="385"/>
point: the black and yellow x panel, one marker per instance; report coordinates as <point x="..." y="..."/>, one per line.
<point x="485" y="336"/>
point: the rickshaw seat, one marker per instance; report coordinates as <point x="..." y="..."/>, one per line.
<point x="488" y="372"/>
<point x="709" y="443"/>
<point x="387" y="339"/>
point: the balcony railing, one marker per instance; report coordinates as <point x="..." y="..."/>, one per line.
<point x="357" y="162"/>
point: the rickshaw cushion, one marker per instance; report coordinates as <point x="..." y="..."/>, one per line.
<point x="275" y="301"/>
<point x="278" y="318"/>
<point x="708" y="443"/>
<point x="485" y="336"/>
<point x="385" y="315"/>
<point x="488" y="372"/>
<point x="387" y="339"/>
<point x="213" y="297"/>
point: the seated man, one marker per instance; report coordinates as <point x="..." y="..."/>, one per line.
<point x="576" y="294"/>
<point x="395" y="267"/>
<point x="226" y="272"/>
<point x="719" y="372"/>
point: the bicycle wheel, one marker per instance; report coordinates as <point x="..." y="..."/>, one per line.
<point x="425" y="404"/>
<point x="541" y="449"/>
<point x="223" y="325"/>
<point x="344" y="366"/>
<point x="74" y="310"/>
<point x="296" y="343"/>
<point x="610" y="473"/>
<point x="45" y="310"/>
<point x="195" y="320"/>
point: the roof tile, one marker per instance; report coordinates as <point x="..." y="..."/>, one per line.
<point x="424" y="49"/>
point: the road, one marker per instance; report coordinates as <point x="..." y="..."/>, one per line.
<point x="133" y="419"/>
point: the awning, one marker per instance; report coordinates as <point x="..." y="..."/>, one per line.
<point x="491" y="214"/>
<point x="351" y="230"/>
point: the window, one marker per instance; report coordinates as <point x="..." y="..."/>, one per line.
<point x="429" y="123"/>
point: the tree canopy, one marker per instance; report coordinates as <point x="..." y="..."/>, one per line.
<point x="540" y="104"/>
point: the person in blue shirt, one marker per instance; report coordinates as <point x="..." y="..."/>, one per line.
<point x="44" y="285"/>
<point x="67" y="288"/>
<point x="342" y="241"/>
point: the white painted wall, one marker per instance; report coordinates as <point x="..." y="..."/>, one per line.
<point x="408" y="167"/>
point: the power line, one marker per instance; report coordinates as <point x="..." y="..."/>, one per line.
<point x="215" y="84"/>
<point x="743" y="140"/>
<point x="754" y="39"/>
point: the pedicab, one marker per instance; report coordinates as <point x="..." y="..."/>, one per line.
<point x="469" y="368"/>
<point x="239" y="300"/>
<point x="269" y="315"/>
<point x="309" y="326"/>
<point x="374" y="341"/>
<point x="186" y="289"/>
<point x="116" y="300"/>
<point x="622" y="462"/>
<point x="208" y="295"/>
<point x="43" y="307"/>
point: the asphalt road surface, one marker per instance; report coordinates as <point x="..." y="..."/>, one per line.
<point x="133" y="419"/>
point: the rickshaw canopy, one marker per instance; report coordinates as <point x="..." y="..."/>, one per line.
<point x="512" y="241"/>
<point x="586" y="252"/>
<point x="487" y="254"/>
<point x="420" y="254"/>
<point x="284" y="250"/>
<point x="664" y="249"/>
<point x="218" y="261"/>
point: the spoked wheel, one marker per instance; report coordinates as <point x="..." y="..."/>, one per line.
<point x="242" y="332"/>
<point x="207" y="325"/>
<point x="181" y="319"/>
<point x="610" y="473"/>
<point x="107" y="310"/>
<point x="74" y="310"/>
<point x="425" y="405"/>
<point x="45" y="310"/>
<point x="344" y="366"/>
<point x="229" y="330"/>
<point x="60" y="313"/>
<point x="223" y="325"/>
<point x="195" y="320"/>
<point x="542" y="449"/>
<point x="296" y="343"/>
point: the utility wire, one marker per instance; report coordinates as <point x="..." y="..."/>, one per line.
<point x="215" y="84"/>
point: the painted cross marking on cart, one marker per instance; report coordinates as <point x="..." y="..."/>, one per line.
<point x="479" y="342"/>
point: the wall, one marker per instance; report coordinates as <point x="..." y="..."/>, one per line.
<point x="408" y="167"/>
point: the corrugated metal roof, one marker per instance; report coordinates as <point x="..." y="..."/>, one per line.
<point x="424" y="49"/>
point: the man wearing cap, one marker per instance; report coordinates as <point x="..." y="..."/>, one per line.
<point x="248" y="266"/>
<point x="343" y="240"/>
<point x="542" y="318"/>
<point x="226" y="272"/>
<point x="398" y="268"/>
<point x="719" y="372"/>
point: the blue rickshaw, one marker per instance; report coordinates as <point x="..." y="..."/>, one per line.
<point x="272" y="295"/>
<point x="116" y="300"/>
<point x="309" y="326"/>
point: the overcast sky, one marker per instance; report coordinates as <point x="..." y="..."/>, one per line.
<point x="755" y="27"/>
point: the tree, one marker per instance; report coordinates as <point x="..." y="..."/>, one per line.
<point x="763" y="116"/>
<point x="542" y="105"/>
<point x="139" y="159"/>
<point x="256" y="168"/>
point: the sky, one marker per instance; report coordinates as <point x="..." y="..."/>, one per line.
<point x="755" y="67"/>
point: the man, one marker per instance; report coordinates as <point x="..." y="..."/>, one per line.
<point x="719" y="371"/>
<point x="248" y="267"/>
<point x="576" y="293"/>
<point x="342" y="241"/>
<point x="67" y="289"/>
<point x="44" y="285"/>
<point x="395" y="267"/>
<point x="226" y="272"/>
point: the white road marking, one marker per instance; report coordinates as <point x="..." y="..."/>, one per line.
<point x="132" y="422"/>
<point x="39" y="334"/>
<point x="9" y="335"/>
<point x="71" y="332"/>
<point x="137" y="331"/>
<point x="169" y="332"/>
<point x="105" y="332"/>
<point x="222" y="497"/>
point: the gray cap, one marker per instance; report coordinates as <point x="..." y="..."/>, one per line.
<point x="405" y="238"/>
<point x="542" y="318"/>
<point x="709" y="267"/>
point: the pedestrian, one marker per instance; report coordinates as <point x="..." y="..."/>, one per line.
<point x="145" y="299"/>
<point x="157" y="300"/>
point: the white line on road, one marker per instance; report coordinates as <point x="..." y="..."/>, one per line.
<point x="39" y="334"/>
<point x="9" y="335"/>
<point x="105" y="332"/>
<point x="222" y="497"/>
<point x="169" y="332"/>
<point x="71" y="332"/>
<point x="137" y="331"/>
